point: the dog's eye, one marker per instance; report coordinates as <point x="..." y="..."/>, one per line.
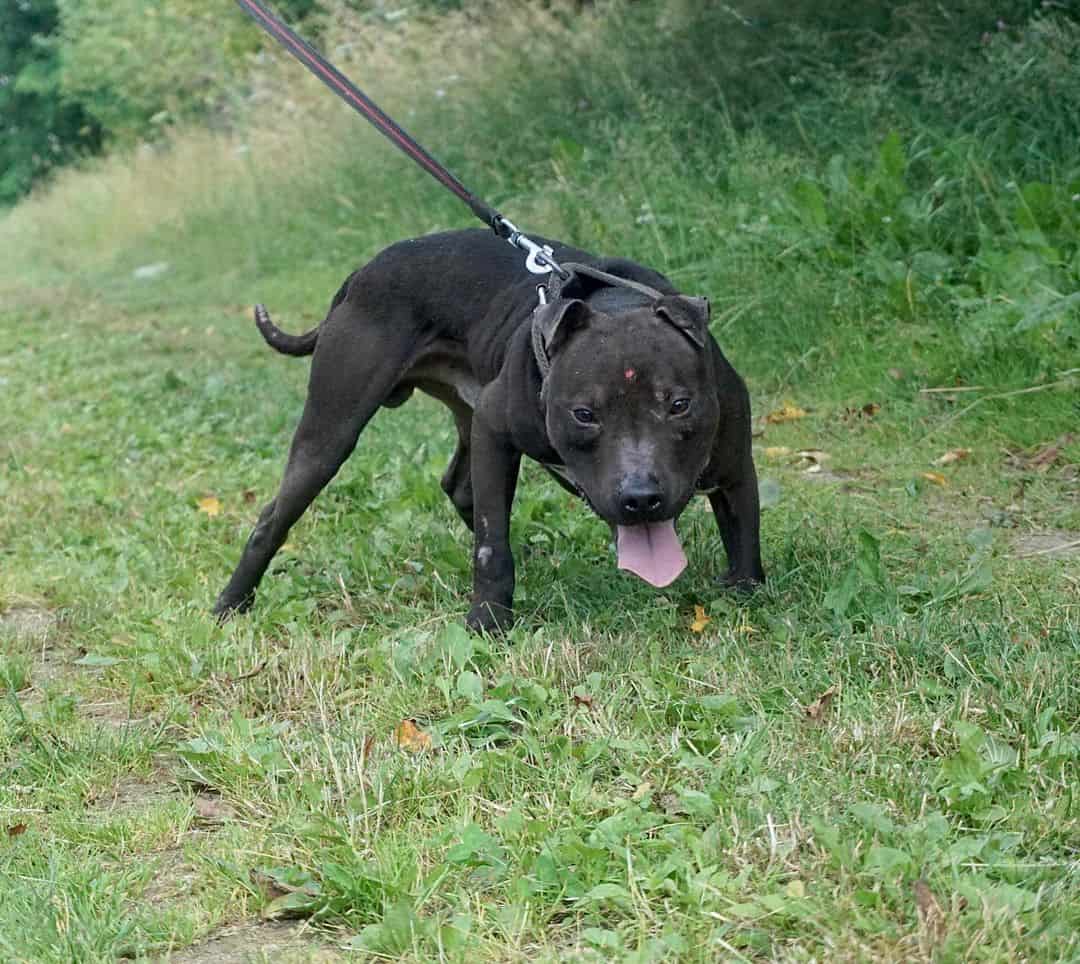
<point x="680" y="406"/>
<point x="583" y="416"/>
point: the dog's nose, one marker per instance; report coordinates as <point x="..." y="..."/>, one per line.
<point x="640" y="499"/>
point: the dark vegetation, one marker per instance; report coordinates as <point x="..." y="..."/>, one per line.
<point x="81" y="76"/>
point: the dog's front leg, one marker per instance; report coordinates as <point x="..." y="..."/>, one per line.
<point x="738" y="516"/>
<point x="495" y="462"/>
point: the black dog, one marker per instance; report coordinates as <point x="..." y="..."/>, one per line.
<point x="614" y="384"/>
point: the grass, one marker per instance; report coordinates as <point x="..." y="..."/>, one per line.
<point x="876" y="757"/>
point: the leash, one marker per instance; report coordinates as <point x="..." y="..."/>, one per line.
<point x="539" y="258"/>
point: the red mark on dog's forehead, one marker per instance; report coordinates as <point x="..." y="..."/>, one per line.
<point x="629" y="374"/>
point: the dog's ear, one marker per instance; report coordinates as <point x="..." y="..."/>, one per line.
<point x="690" y="315"/>
<point x="559" y="320"/>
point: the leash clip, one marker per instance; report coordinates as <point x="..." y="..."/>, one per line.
<point x="540" y="257"/>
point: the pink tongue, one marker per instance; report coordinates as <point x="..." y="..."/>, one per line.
<point x="651" y="550"/>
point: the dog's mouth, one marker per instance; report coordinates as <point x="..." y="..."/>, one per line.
<point x="651" y="551"/>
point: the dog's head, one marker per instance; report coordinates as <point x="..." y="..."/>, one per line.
<point x="631" y="408"/>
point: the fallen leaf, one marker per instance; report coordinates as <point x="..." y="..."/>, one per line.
<point x="16" y="830"/>
<point x="795" y="888"/>
<point x="869" y="410"/>
<point x="642" y="788"/>
<point x="583" y="699"/>
<point x="211" y="505"/>
<point x="1043" y="459"/>
<point x="936" y="477"/>
<point x="700" y="620"/>
<point x="812" y="459"/>
<point x="777" y="451"/>
<point x="249" y="496"/>
<point x="1045" y="456"/>
<point x="1048" y="455"/>
<point x="925" y="900"/>
<point x="931" y="916"/>
<point x="788" y="412"/>
<point x="953" y="455"/>
<point x="410" y="737"/>
<point x="816" y="711"/>
<point x="369" y="745"/>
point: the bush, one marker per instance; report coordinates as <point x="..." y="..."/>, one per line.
<point x="40" y="127"/>
<point x="135" y="66"/>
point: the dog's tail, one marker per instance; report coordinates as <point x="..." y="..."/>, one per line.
<point x="282" y="341"/>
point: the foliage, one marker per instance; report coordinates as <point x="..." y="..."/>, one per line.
<point x="1004" y="259"/>
<point x="41" y="128"/>
<point x="135" y="66"/>
<point x="999" y="71"/>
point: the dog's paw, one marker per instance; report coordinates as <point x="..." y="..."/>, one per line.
<point x="489" y="617"/>
<point x="741" y="583"/>
<point x="225" y="607"/>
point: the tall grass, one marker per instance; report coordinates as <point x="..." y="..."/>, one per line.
<point x="722" y="145"/>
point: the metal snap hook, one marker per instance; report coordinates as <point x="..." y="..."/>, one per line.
<point x="540" y="260"/>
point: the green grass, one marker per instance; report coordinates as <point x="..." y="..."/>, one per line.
<point x="605" y="782"/>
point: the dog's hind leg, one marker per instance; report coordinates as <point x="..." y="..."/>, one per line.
<point x="457" y="479"/>
<point x="355" y="368"/>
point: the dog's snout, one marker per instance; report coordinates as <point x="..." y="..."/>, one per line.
<point x="640" y="499"/>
